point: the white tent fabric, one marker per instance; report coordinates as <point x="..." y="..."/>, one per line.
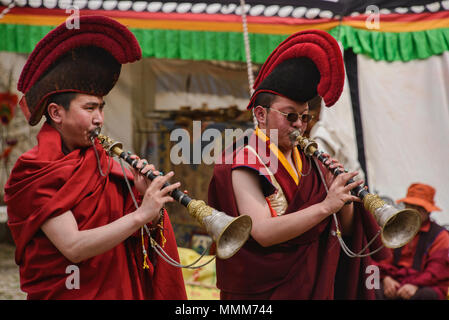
<point x="405" y="115"/>
<point x="335" y="132"/>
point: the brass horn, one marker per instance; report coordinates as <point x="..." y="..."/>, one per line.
<point x="397" y="227"/>
<point x="229" y="233"/>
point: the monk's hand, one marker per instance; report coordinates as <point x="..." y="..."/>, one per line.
<point x="331" y="163"/>
<point x="340" y="192"/>
<point x="140" y="181"/>
<point x="155" y="197"/>
<point x="407" y="291"/>
<point x="391" y="287"/>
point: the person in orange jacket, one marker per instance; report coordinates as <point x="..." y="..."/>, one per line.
<point x="420" y="269"/>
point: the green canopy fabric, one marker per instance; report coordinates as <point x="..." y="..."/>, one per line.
<point x="229" y="46"/>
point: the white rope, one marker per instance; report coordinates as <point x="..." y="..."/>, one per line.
<point x="5" y="11"/>
<point x="173" y="262"/>
<point x="157" y="248"/>
<point x="249" y="64"/>
<point x="247" y="47"/>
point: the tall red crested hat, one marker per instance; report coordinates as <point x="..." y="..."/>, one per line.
<point x="86" y="60"/>
<point x="306" y="64"/>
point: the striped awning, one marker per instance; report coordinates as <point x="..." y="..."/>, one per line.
<point x="207" y="30"/>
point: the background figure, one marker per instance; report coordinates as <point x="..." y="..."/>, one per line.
<point x="420" y="269"/>
<point x="329" y="139"/>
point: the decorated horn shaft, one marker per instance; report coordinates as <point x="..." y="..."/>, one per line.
<point x="398" y="227"/>
<point x="115" y="148"/>
<point x="229" y="233"/>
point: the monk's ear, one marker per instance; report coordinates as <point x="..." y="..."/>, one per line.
<point x="55" y="112"/>
<point x="261" y="114"/>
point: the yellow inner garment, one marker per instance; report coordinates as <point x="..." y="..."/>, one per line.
<point x="296" y="157"/>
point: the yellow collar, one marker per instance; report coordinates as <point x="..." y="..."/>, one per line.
<point x="296" y="157"/>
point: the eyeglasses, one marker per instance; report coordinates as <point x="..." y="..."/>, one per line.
<point x="293" y="116"/>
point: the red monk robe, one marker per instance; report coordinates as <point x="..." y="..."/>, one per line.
<point x="307" y="267"/>
<point x="46" y="183"/>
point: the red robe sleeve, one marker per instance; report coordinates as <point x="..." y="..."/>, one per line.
<point x="45" y="183"/>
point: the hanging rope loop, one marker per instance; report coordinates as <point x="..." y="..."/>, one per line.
<point x="249" y="64"/>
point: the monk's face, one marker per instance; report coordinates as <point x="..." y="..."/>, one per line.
<point x="84" y="115"/>
<point x="276" y="119"/>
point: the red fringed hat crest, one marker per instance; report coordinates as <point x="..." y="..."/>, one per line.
<point x="305" y="64"/>
<point x="85" y="60"/>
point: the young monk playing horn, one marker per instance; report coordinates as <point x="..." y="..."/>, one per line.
<point x="293" y="252"/>
<point x="71" y="216"/>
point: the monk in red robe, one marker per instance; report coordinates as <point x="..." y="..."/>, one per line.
<point x="420" y="269"/>
<point x="293" y="251"/>
<point x="71" y="215"/>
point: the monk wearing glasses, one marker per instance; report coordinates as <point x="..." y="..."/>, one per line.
<point x="293" y="251"/>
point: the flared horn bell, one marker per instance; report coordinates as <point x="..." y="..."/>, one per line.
<point x="229" y="233"/>
<point x="398" y="227"/>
